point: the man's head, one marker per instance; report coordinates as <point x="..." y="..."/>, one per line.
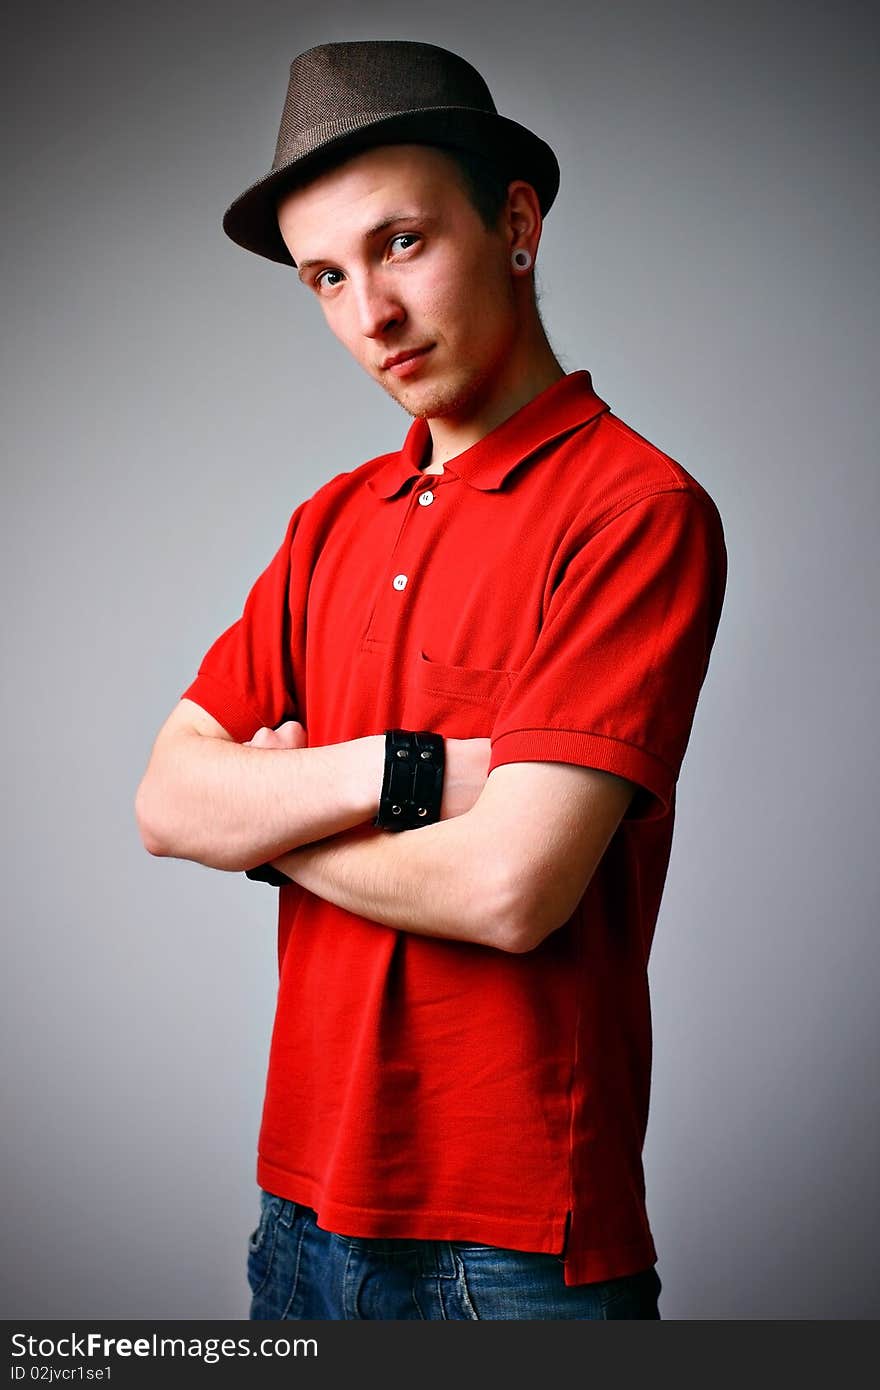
<point x="410" y="255"/>
<point x="404" y="195"/>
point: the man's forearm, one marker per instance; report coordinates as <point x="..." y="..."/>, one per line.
<point x="231" y="806"/>
<point x="507" y="872"/>
<point x="437" y="880"/>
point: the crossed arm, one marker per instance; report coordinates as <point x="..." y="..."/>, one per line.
<point x="504" y="873"/>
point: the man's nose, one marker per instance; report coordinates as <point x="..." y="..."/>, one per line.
<point x="379" y="309"/>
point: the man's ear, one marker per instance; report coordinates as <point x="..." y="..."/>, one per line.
<point x="523" y="220"/>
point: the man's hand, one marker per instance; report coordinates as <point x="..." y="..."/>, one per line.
<point x="288" y="735"/>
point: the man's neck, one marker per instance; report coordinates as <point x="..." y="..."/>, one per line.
<point x="452" y="435"/>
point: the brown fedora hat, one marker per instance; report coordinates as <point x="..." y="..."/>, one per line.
<point x="346" y="97"/>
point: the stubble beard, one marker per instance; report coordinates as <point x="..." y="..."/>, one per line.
<point x="433" y="400"/>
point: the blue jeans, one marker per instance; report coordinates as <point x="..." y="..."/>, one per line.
<point x="296" y="1270"/>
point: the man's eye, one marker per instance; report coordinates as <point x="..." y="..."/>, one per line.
<point x="326" y="279"/>
<point x="404" y="240"/>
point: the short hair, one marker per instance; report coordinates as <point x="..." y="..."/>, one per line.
<point x="484" y="182"/>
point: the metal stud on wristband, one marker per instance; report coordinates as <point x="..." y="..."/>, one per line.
<point x="412" y="781"/>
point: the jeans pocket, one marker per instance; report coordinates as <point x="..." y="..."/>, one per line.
<point x="261" y="1243"/>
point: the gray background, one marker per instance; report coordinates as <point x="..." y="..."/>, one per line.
<point x="171" y="399"/>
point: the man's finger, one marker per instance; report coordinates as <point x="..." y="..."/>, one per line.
<point x="264" y="738"/>
<point x="292" y="734"/>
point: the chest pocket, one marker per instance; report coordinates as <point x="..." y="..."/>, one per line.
<point x="457" y="701"/>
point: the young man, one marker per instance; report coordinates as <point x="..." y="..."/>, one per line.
<point x="492" y="641"/>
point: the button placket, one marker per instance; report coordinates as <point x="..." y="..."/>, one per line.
<point x="424" y="498"/>
<point x="384" y="621"/>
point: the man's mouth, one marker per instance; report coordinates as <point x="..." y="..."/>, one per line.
<point x="403" y="363"/>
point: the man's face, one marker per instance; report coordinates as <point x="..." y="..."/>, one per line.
<point x="410" y="279"/>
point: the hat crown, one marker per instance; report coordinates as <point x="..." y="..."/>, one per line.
<point x="342" y="86"/>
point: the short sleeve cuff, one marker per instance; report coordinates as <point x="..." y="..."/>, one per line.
<point x="239" y="719"/>
<point x="656" y="780"/>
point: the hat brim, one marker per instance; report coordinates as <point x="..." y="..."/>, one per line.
<point x="251" y="220"/>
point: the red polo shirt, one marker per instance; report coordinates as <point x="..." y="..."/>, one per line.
<point x="556" y="589"/>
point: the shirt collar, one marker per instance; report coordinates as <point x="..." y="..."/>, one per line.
<point x="558" y="409"/>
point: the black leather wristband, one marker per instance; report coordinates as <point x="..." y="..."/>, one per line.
<point x="412" y="781"/>
<point x="267" y="873"/>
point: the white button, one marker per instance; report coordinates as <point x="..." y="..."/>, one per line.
<point x="426" y="498"/>
<point x="399" y="581"/>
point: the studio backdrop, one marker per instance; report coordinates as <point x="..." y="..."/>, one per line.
<point x="170" y="399"/>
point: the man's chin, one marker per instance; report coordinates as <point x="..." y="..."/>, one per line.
<point x="430" y="400"/>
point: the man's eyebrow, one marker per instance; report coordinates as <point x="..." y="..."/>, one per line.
<point x="390" y="221"/>
<point x="393" y="217"/>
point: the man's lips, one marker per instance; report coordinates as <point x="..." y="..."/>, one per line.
<point x="403" y="362"/>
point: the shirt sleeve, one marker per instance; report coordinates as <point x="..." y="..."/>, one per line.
<point x="246" y="679"/>
<point x="624" y="647"/>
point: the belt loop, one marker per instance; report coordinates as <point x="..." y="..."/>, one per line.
<point x="438" y="1257"/>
